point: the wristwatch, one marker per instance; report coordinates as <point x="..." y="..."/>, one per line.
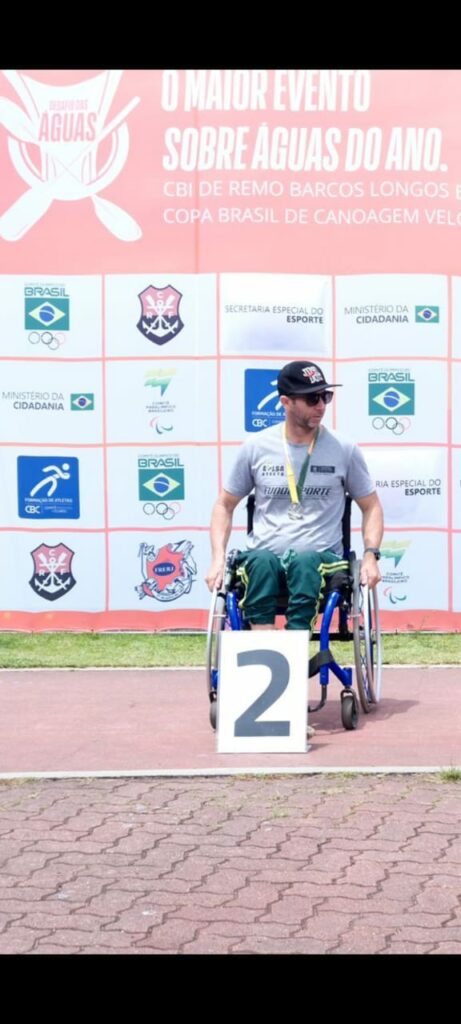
<point x="375" y="551"/>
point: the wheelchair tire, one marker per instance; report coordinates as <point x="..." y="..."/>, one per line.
<point x="367" y="640"/>
<point x="216" y="624"/>
<point x="214" y="714"/>
<point x="349" y="710"/>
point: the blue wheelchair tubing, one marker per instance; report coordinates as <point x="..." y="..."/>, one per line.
<point x="343" y="674"/>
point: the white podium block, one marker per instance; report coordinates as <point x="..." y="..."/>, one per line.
<point x="262" y="691"/>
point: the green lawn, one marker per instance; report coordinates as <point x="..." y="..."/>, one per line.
<point x="86" y="650"/>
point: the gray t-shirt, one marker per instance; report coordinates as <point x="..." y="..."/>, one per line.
<point x="336" y="466"/>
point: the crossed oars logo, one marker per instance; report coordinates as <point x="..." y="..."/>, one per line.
<point x="68" y="169"/>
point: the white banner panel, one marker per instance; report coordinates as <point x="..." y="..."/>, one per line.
<point x="391" y="315"/>
<point x="153" y="401"/>
<point x="414" y="570"/>
<point x="411" y="484"/>
<point x="49" y="317"/>
<point x="151" y="487"/>
<point x="264" y="313"/>
<point x="385" y="402"/>
<point x="457" y="574"/>
<point x="161" y="314"/>
<point x="52" y="484"/>
<point x="57" y="571"/>
<point x="456" y="308"/>
<point x="250" y="401"/>
<point x="47" y="403"/>
<point x="456" y="406"/>
<point x="456" y="478"/>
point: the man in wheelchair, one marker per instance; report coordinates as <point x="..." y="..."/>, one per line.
<point x="300" y="473"/>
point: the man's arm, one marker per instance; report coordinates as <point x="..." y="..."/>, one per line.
<point x="221" y="525"/>
<point x="372" y="532"/>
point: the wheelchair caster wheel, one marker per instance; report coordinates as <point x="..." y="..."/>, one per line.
<point x="213" y="713"/>
<point x="349" y="712"/>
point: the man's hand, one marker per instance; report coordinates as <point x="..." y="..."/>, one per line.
<point x="214" y="576"/>
<point x="369" y="572"/>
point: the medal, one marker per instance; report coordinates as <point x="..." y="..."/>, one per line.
<point x="295" y="510"/>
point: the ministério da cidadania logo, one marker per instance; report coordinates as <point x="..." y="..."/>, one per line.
<point x="55" y="144"/>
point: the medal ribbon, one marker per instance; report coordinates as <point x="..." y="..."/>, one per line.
<point x="296" y="489"/>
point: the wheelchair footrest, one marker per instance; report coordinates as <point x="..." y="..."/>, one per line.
<point x="322" y="658"/>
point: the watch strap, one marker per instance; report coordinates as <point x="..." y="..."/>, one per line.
<point x="375" y="551"/>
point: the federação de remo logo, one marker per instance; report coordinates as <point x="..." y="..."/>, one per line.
<point x="169" y="571"/>
<point x="160" y="320"/>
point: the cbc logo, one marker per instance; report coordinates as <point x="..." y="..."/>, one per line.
<point x="32" y="510"/>
<point x="260" y="423"/>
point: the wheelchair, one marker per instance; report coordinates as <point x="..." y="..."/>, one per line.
<point x="352" y="607"/>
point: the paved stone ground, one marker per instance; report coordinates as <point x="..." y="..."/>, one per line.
<point x="293" y="864"/>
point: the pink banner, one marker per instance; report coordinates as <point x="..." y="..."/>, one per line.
<point x="168" y="239"/>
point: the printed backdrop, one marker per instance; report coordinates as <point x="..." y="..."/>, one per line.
<point x="168" y="240"/>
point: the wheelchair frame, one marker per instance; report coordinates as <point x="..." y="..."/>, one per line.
<point x="348" y="598"/>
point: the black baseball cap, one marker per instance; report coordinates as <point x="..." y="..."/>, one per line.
<point x="302" y="378"/>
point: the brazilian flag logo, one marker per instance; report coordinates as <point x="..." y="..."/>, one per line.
<point x="427" y="314"/>
<point x="82" y="402"/>
<point x="161" y="485"/>
<point x="46" y="314"/>
<point x="391" y="399"/>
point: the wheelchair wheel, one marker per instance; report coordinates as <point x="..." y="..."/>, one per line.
<point x="367" y="640"/>
<point x="349" y="710"/>
<point x="216" y="624"/>
<point x="214" y="713"/>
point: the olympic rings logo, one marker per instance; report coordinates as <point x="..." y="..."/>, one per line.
<point x="162" y="509"/>
<point x="52" y="341"/>
<point x="397" y="426"/>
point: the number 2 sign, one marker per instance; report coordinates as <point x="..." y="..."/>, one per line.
<point x="262" y="692"/>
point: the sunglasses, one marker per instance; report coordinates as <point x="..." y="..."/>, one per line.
<point x="326" y="397"/>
